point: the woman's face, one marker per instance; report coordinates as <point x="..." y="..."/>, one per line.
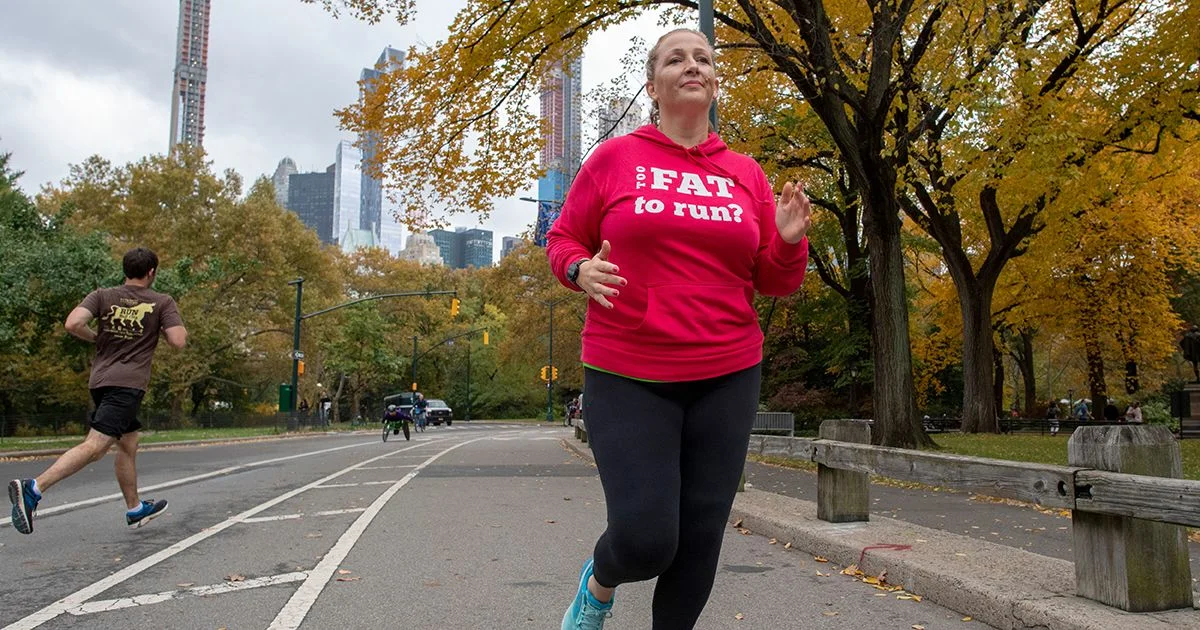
<point x="685" y="80"/>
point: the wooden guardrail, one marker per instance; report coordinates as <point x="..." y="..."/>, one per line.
<point x="1129" y="506"/>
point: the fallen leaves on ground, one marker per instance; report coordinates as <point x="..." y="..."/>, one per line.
<point x="185" y="584"/>
<point x="772" y="542"/>
<point x="917" y="626"/>
<point x="348" y="578"/>
<point x="739" y="616"/>
<point x="820" y="559"/>
<point x="550" y="521"/>
<point x="968" y="619"/>
<point x="234" y="577"/>
<point x="1194" y="535"/>
<point x="738" y="523"/>
<point x="344" y="572"/>
<point x="787" y="545"/>
<point x="743" y="531"/>
<point x="831" y="613"/>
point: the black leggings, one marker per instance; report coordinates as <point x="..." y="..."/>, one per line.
<point x="670" y="456"/>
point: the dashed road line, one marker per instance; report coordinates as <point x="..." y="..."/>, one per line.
<point x="289" y="517"/>
<point x="106" y="605"/>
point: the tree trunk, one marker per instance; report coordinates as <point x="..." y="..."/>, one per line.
<point x="337" y="395"/>
<point x="980" y="399"/>
<point x="1025" y="363"/>
<point x="1097" y="389"/>
<point x="895" y="411"/>
<point x="997" y="383"/>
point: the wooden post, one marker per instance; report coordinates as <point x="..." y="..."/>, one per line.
<point x="843" y="495"/>
<point x="1130" y="563"/>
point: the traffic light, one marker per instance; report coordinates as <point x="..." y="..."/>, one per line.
<point x="554" y="374"/>
<point x="454" y="302"/>
<point x="414" y="386"/>
<point x="544" y="372"/>
<point x="485" y="337"/>
<point x="300" y="368"/>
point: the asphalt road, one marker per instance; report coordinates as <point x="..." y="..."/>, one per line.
<point x="471" y="526"/>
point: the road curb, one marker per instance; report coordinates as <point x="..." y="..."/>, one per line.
<point x="156" y="445"/>
<point x="1003" y="586"/>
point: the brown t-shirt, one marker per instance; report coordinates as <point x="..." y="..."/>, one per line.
<point x="130" y="320"/>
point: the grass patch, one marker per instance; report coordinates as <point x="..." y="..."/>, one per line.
<point x="1040" y="449"/>
<point x="13" y="444"/>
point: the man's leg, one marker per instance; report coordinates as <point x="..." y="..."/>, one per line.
<point x="90" y="450"/>
<point x="127" y="469"/>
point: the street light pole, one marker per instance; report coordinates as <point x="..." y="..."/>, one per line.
<point x="299" y="282"/>
<point x="550" y="376"/>
<point x="706" y="27"/>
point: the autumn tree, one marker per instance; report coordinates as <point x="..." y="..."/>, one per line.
<point x="47" y="268"/>
<point x="225" y="257"/>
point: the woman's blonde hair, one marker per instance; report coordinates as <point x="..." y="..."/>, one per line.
<point x="652" y="60"/>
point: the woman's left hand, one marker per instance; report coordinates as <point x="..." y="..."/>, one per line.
<point x="793" y="213"/>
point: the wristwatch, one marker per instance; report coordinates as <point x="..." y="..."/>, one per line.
<point x="573" y="271"/>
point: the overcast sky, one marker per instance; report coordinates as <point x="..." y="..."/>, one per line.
<point x="79" y="78"/>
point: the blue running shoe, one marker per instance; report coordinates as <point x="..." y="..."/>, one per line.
<point x="144" y="513"/>
<point x="24" y="502"/>
<point x="586" y="612"/>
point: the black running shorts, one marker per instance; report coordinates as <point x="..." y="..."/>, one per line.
<point x="116" y="410"/>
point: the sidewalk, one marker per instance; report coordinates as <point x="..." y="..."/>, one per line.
<point x="986" y="572"/>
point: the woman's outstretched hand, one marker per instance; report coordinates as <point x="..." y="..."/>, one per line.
<point x="793" y="213"/>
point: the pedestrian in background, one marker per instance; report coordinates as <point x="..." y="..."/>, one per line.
<point x="671" y="233"/>
<point x="129" y="319"/>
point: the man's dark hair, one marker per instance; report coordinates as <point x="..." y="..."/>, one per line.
<point x="138" y="263"/>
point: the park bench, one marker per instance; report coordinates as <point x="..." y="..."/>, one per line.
<point x="774" y="422"/>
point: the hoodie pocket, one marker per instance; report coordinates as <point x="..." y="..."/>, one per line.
<point x="692" y="314"/>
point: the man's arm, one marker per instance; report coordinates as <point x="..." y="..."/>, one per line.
<point x="176" y="336"/>
<point x="77" y="324"/>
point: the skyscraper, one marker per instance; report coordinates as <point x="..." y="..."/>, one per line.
<point x="562" y="105"/>
<point x="375" y="217"/>
<point x="613" y="124"/>
<point x="283" y="172"/>
<point x="508" y="244"/>
<point x="310" y="196"/>
<point x="464" y="247"/>
<point x="347" y="191"/>
<point x="191" y="74"/>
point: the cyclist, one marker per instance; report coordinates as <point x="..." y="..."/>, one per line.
<point x="421" y="411"/>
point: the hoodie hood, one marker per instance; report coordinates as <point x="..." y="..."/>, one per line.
<point x="701" y="155"/>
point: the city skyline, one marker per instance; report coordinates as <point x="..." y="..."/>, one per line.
<point x="60" y="108"/>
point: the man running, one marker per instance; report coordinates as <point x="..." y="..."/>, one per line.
<point x="129" y="319"/>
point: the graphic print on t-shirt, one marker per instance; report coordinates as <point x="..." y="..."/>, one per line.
<point x="691" y="184"/>
<point x="125" y="322"/>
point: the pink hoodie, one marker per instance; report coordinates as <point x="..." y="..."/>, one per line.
<point x="693" y="231"/>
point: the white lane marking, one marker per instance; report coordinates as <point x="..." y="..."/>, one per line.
<point x="297" y="608"/>
<point x="520" y="438"/>
<point x="43" y="513"/>
<point x="84" y="594"/>
<point x="355" y="485"/>
<point x="289" y="517"/>
<point x="387" y="467"/>
<point x="336" y="512"/>
<point x="106" y="605"/>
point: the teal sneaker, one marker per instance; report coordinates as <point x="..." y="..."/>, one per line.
<point x="144" y="513"/>
<point x="586" y="612"/>
<point x="24" y="502"/>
